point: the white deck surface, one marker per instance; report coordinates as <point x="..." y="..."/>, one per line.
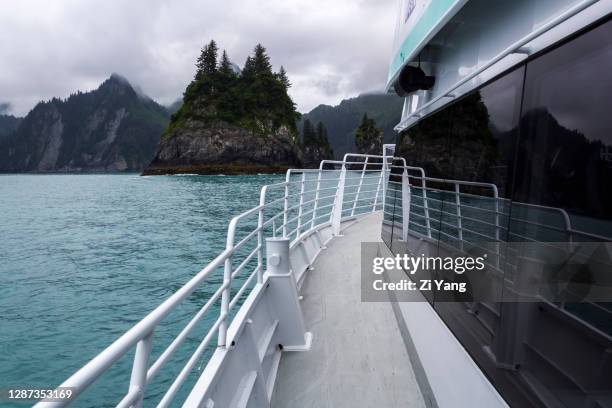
<point x="358" y="357"/>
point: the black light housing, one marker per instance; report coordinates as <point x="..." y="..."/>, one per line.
<point x="412" y="79"/>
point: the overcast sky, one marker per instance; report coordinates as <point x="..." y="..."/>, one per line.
<point x="331" y="49"/>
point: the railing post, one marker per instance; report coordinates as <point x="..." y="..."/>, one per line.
<point x="459" y="223"/>
<point x="286" y="203"/>
<point x="284" y="298"/>
<point x="336" y="215"/>
<point x="380" y="180"/>
<point x="316" y="202"/>
<point x="385" y="179"/>
<point x="425" y="203"/>
<point x="225" y="301"/>
<point x="497" y="228"/>
<point x="260" y="234"/>
<point x="138" y="380"/>
<point x="570" y="235"/>
<point x="300" y="209"/>
<point x="406" y="196"/>
<point x="365" y="165"/>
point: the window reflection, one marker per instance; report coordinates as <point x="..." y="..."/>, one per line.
<point x="521" y="170"/>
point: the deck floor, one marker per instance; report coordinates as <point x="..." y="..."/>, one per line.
<point x="358" y="357"/>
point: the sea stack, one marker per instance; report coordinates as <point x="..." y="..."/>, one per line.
<point x="232" y="121"/>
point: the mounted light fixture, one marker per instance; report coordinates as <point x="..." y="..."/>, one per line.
<point x="412" y="79"/>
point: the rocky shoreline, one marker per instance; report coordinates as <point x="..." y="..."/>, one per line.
<point x="213" y="169"/>
<point x="198" y="148"/>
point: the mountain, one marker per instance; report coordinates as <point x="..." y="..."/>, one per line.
<point x="343" y="120"/>
<point x="175" y="106"/>
<point x="113" y="128"/>
<point x="231" y="121"/>
<point x="8" y="125"/>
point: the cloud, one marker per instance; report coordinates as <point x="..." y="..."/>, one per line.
<point x="331" y="50"/>
<point x="5" y="108"/>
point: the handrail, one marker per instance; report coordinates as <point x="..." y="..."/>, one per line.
<point x="482" y="221"/>
<point x="141" y="335"/>
<point x="99" y="364"/>
<point x="300" y="217"/>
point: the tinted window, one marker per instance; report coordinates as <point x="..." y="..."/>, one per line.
<point x="563" y="199"/>
<point x="564" y="158"/>
<point x="540" y="138"/>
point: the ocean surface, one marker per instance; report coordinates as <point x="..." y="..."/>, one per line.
<point x="85" y="257"/>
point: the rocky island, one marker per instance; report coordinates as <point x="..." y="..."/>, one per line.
<point x="234" y="121"/>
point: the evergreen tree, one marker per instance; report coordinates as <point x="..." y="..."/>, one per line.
<point x="309" y="135"/>
<point x="248" y="69"/>
<point x="255" y="99"/>
<point x="265" y="96"/>
<point x="368" y="138"/>
<point x="207" y="61"/>
<point x="315" y="144"/>
<point x="322" y="133"/>
<point x="323" y="141"/>
<point x="225" y="67"/>
<point x="261" y="61"/>
<point x="226" y="93"/>
<point x="282" y="77"/>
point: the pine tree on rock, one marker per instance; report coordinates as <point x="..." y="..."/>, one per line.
<point x="261" y="61"/>
<point x="308" y="133"/>
<point x="204" y="82"/>
<point x="315" y="145"/>
<point x="225" y="66"/>
<point x="323" y="142"/>
<point x="207" y="61"/>
<point x="255" y="99"/>
<point x="225" y="76"/>
<point x="226" y="93"/>
<point x="368" y="137"/>
<point x="321" y="133"/>
<point x="282" y="77"/>
<point x="248" y="71"/>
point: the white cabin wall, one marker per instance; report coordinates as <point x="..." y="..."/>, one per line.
<point x="480" y="31"/>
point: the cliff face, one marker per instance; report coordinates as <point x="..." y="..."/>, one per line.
<point x="110" y="129"/>
<point x="457" y="143"/>
<point x="223" y="148"/>
<point x="8" y="125"/>
<point x="312" y="156"/>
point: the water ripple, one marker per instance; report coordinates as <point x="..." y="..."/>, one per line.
<point x="82" y="258"/>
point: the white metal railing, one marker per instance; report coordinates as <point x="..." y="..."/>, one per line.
<point x="458" y="212"/>
<point x="471" y="214"/>
<point x="466" y="215"/>
<point x="305" y="201"/>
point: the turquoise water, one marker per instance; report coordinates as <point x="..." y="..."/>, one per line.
<point x="84" y="257"/>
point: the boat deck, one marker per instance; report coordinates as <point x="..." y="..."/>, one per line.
<point x="358" y="357"/>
